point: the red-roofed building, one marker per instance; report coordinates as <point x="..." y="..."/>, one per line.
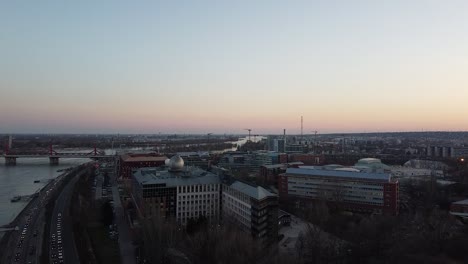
<point x="129" y="162"/>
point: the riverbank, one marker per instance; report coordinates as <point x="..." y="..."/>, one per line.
<point x="14" y="222"/>
<point x="30" y="214"/>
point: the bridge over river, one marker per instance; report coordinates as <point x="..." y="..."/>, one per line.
<point x="54" y="156"/>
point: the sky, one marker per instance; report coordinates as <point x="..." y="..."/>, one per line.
<point x="223" y="66"/>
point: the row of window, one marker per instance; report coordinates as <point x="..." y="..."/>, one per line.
<point x="348" y="198"/>
<point x="321" y="180"/>
<point x="335" y="189"/>
<point x="340" y="185"/>
<point x="237" y="194"/>
<point x="198" y="196"/>
<point x="195" y="202"/>
<point x="196" y="207"/>
<point x="185" y="215"/>
<point x="198" y="188"/>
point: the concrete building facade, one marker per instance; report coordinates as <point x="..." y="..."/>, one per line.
<point x="254" y="209"/>
<point x="178" y="192"/>
<point x="347" y="188"/>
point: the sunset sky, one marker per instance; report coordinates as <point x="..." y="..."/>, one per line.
<point x="222" y="66"/>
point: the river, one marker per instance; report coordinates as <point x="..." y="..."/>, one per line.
<point x="19" y="179"/>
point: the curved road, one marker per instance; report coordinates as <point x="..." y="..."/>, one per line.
<point x="25" y="244"/>
<point x="61" y="239"/>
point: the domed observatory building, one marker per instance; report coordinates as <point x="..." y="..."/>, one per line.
<point x="177" y="192"/>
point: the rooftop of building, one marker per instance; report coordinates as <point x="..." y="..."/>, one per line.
<point x="188" y="176"/>
<point x="339" y="173"/>
<point x="142" y="158"/>
<point x="175" y="174"/>
<point x="283" y="213"/>
<point x="283" y="165"/>
<point x="462" y="202"/>
<point x="274" y="166"/>
<point x="257" y="193"/>
<point x="193" y="154"/>
<point x="372" y="163"/>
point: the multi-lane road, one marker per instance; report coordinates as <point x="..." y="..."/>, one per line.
<point x="61" y="239"/>
<point x="25" y="244"/>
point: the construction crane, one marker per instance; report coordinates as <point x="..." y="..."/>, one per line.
<point x="248" y="129"/>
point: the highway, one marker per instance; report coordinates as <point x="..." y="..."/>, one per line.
<point x="24" y="244"/>
<point x="127" y="250"/>
<point x="62" y="243"/>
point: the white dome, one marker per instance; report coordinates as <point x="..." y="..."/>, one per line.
<point x="176" y="163"/>
<point x="167" y="162"/>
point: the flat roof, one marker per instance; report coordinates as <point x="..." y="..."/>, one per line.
<point x="462" y="202"/>
<point x="258" y="192"/>
<point x="188" y="176"/>
<point x="339" y="174"/>
<point x="143" y="158"/>
<point x="283" y="165"/>
<point x="274" y="166"/>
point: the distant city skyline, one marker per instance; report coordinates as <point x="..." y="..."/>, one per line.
<point x="222" y="66"/>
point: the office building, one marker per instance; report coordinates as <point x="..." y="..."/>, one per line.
<point x="269" y="173"/>
<point x="129" y="162"/>
<point x="347" y="188"/>
<point x="245" y="160"/>
<point x="177" y="192"/>
<point x="307" y="159"/>
<point x="254" y="209"/>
